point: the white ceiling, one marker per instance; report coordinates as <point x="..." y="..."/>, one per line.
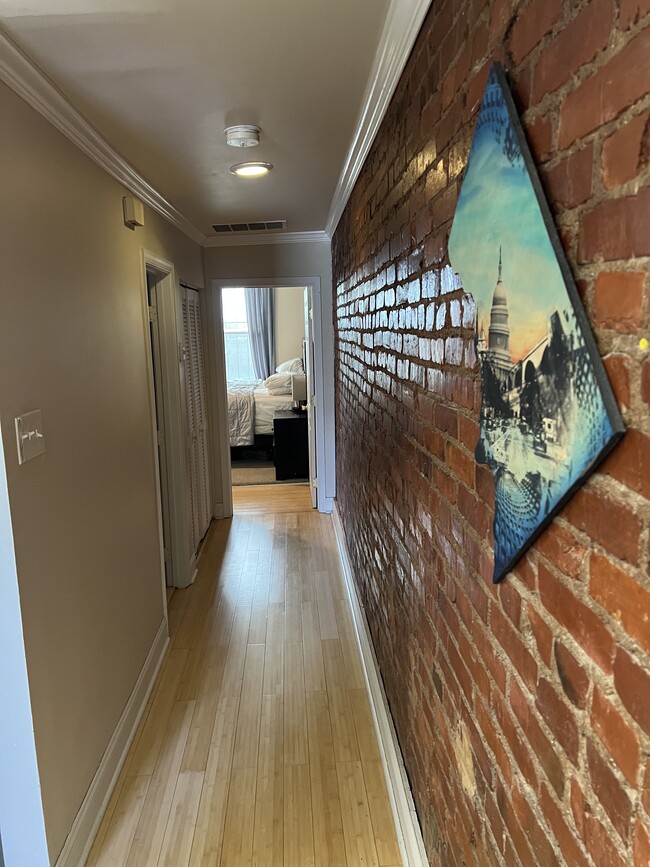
<point x="161" y="79"/>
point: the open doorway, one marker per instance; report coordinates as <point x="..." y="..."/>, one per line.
<point x="264" y="339"/>
<point x="301" y="365"/>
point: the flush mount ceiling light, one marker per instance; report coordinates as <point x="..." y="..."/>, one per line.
<point x="244" y="135"/>
<point x="251" y="170"/>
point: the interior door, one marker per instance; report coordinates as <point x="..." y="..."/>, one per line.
<point x="196" y="415"/>
<point x="156" y="361"/>
<point x="311" y="400"/>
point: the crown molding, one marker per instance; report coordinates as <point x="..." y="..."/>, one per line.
<point x="20" y="74"/>
<point x="260" y="239"/>
<point x="402" y="26"/>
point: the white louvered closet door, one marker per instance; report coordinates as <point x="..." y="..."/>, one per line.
<point x="197" y="429"/>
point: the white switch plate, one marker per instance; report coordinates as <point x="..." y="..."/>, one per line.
<point x="29" y="436"/>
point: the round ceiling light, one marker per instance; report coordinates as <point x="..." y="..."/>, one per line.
<point x="251" y="170"/>
<point x="242" y="136"/>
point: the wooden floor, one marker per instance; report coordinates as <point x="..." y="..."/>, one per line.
<point x="257" y="747"/>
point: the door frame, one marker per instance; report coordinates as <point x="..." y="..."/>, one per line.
<point x="220" y="436"/>
<point x="183" y="561"/>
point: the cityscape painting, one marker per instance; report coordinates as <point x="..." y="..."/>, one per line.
<point x="548" y="414"/>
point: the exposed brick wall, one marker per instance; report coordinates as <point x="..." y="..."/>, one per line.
<point x="523" y="710"/>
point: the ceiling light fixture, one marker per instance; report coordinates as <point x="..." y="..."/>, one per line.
<point x="244" y="135"/>
<point x="251" y="170"/>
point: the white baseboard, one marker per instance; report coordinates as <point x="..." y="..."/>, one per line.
<point x="84" y="828"/>
<point x="409" y="835"/>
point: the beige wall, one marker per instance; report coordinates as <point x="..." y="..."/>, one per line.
<point x="72" y="343"/>
<point x="289" y="321"/>
<point x="274" y="262"/>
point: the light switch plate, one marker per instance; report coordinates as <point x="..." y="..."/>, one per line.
<point x="30" y="437"/>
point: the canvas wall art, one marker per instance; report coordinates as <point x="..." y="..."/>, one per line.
<point x="548" y="414"/>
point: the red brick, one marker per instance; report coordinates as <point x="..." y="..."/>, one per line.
<point x="529" y="819"/>
<point x="539" y="134"/>
<point x="542" y="634"/>
<point x="623" y="597"/>
<point x="499" y="15"/>
<point x="436" y="179"/>
<point x="577" y="44"/>
<point x="632" y="683"/>
<point x="569" y="182"/>
<point x="485" y="479"/>
<point x="511" y="602"/>
<point x="474" y="511"/>
<point x="618" y="299"/>
<point x="632" y="11"/>
<point x="417" y="509"/>
<point x="531" y="25"/>
<point x="629" y="463"/>
<point x="616" y="229"/>
<point x="573" y="677"/>
<point x="446" y="419"/>
<point x="476" y="89"/>
<point x="511" y="641"/>
<point x="585" y="626"/>
<point x="493" y="742"/>
<point x="468" y="432"/>
<point x="519" y="747"/>
<point x="623" y="152"/>
<point x="526" y="571"/>
<point x="563" y="834"/>
<point x="609" y="791"/>
<point x="618" y="373"/>
<point x="603" y="850"/>
<point x="563" y="550"/>
<point x="443" y="207"/>
<point x="579" y="806"/>
<point x="517" y="834"/>
<point x="641" y="843"/>
<point x="605" y="94"/>
<point x="616" y="735"/>
<point x="460" y="464"/>
<point x="608" y="522"/>
<point x="491" y="661"/>
<point x="558" y="717"/>
<point x="543" y="748"/>
<point x="434" y="443"/>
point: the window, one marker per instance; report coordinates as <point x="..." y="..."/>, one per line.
<point x="239" y="361"/>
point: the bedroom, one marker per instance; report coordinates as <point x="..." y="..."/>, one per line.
<point x="265" y="358"/>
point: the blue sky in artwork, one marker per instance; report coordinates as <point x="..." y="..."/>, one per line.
<point x="498" y="207"/>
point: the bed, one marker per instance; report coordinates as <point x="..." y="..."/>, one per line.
<point x="250" y="413"/>
<point x="252" y="405"/>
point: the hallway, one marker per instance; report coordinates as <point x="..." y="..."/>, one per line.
<point x="257" y="747"/>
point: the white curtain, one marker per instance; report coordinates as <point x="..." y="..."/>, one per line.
<point x="259" y="313"/>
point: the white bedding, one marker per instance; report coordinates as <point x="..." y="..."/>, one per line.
<point x="250" y="411"/>
<point x="266" y="405"/>
<point x="241" y="412"/>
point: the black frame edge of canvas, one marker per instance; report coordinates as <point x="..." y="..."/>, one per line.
<point x="609" y="400"/>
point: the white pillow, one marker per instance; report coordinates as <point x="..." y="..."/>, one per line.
<point x="278" y="383"/>
<point x="294" y="365"/>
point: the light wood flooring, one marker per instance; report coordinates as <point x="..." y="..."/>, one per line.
<point x="257" y="747"/>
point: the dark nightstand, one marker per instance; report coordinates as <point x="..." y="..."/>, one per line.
<point x="290" y="445"/>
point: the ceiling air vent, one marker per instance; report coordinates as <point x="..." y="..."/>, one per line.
<point x="260" y="226"/>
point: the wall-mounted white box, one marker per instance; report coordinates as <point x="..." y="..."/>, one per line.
<point x="133" y="212"/>
<point x="29" y="435"/>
